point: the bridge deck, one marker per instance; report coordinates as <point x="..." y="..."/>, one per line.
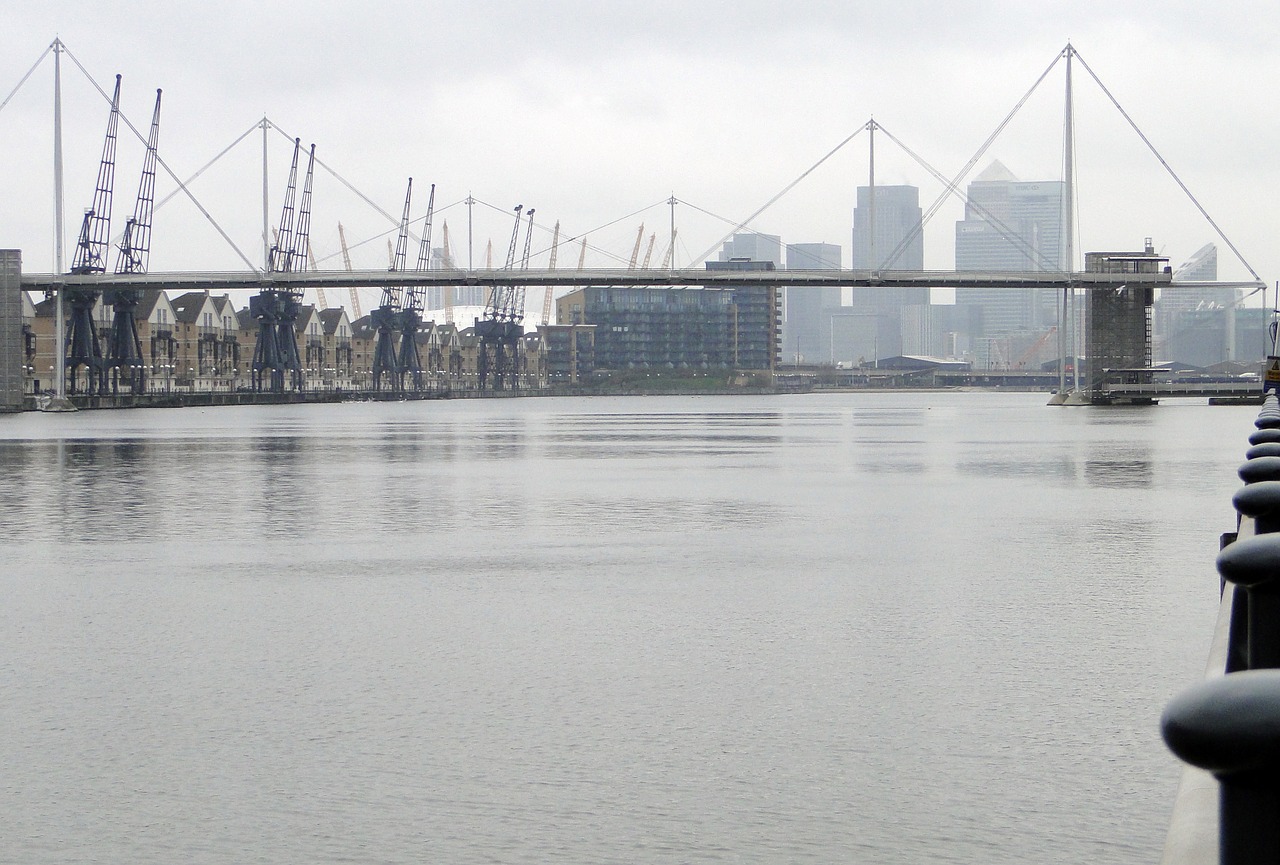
<point x="902" y="279"/>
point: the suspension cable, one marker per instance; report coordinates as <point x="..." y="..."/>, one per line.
<point x="209" y="164"/>
<point x="790" y="186"/>
<point x="951" y="188"/>
<point x="395" y="220"/>
<point x="43" y="54"/>
<point x="164" y="165"/>
<point x="1169" y="169"/>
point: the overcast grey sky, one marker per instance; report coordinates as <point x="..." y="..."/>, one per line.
<point x="591" y="111"/>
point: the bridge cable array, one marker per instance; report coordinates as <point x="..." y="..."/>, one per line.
<point x="951" y="186"/>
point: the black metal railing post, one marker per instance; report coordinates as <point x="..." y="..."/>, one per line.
<point x="1253" y="563"/>
<point x="1230" y="724"/>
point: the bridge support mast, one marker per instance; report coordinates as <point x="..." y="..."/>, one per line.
<point x="59" y="230"/>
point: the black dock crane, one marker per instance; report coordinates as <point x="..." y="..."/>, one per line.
<point x="387" y="317"/>
<point x="124" y="349"/>
<point x="276" y="309"/>
<point x="415" y="302"/>
<point x="501" y="328"/>
<point x="82" y="346"/>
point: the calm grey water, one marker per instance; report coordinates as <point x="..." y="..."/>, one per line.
<point x="893" y="628"/>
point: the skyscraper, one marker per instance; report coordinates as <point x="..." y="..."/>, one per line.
<point x="806" y="328"/>
<point x="757" y="247"/>
<point x="1177" y="299"/>
<point x="872" y="326"/>
<point x="1186" y="315"/>
<point x="898" y="241"/>
<point x="1010" y="225"/>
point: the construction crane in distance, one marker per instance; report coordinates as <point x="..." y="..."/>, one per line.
<point x="551" y="265"/>
<point x="635" y="250"/>
<point x="648" y="253"/>
<point x="124" y="348"/>
<point x="311" y="257"/>
<point x="346" y="262"/>
<point x="1035" y="347"/>
<point x="666" y="257"/>
<point x="448" y="289"/>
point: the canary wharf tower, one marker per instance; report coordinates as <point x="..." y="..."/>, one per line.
<point x="1011" y="225"/>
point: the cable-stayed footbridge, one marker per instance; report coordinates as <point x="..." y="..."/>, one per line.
<point x="615" y="277"/>
<point x="284" y="276"/>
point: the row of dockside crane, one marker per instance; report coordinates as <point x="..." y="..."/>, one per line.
<point x="397" y="365"/>
<point x="277" y="364"/>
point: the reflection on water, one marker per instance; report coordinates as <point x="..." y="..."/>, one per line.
<point x="891" y="628"/>
<point x="1059" y="467"/>
<point x="1121" y="469"/>
<point x="895" y="467"/>
<point x="894" y="418"/>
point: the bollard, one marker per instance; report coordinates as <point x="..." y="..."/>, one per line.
<point x="1231" y="727"/>
<point x="1253" y="564"/>
<point x="1260" y="469"/>
<point x="1258" y="436"/>
<point x="1263" y="449"/>
<point x="1260" y="502"/>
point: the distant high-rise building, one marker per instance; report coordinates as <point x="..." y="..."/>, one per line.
<point x="814" y="256"/>
<point x="678" y="328"/>
<point x="1211" y="336"/>
<point x="1011" y="225"/>
<point x="757" y="247"/>
<point x="1200" y="267"/>
<point x="757" y="317"/>
<point x="873" y="325"/>
<point x="1183" y="314"/>
<point x="806" y="328"/>
<point x="898" y="240"/>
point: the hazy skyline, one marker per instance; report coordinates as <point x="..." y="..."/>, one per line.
<point x="589" y="112"/>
